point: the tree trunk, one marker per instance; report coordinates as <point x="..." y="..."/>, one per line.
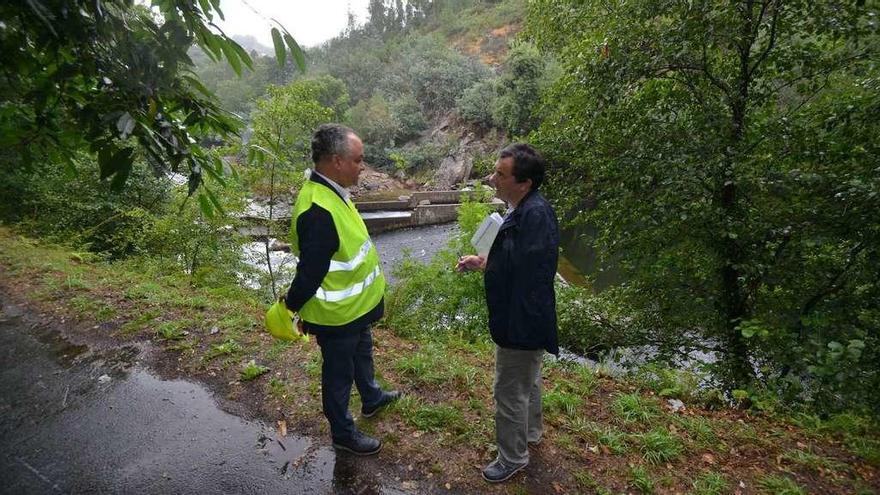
<point x="737" y="367"/>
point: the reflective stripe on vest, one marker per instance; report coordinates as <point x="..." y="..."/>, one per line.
<point x="357" y="288"/>
<point x="348" y="266"/>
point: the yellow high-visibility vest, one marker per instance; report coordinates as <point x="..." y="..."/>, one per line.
<point x="354" y="284"/>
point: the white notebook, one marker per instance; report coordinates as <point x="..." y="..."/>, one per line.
<point x="485" y="234"/>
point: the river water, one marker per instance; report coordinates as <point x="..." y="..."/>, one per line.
<point x="420" y="244"/>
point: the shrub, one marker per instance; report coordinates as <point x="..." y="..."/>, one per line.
<point x="476" y="103"/>
<point x="75" y="206"/>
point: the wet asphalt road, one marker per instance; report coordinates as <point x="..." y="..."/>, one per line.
<point x="73" y="420"/>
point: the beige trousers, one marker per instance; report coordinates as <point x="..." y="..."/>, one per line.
<point x="518" y="416"/>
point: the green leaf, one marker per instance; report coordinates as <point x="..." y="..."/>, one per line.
<point x="115" y="161"/>
<point x="205" y="205"/>
<point x="297" y="52"/>
<point x="195" y="177"/>
<point x="231" y="56"/>
<point x="280" y="49"/>
<point x="206" y="9"/>
<point x="242" y="54"/>
<point x="216" y="4"/>
<point x="856" y="344"/>
<point x="215" y="173"/>
<point x="214" y="200"/>
<point x="212" y="42"/>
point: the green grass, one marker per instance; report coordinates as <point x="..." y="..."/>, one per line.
<point x="700" y="430"/>
<point x="434" y="365"/>
<point x="746" y="433"/>
<point x="74" y="282"/>
<point x="581" y="427"/>
<point x="585" y="481"/>
<point x="612" y="439"/>
<point x="431" y="417"/>
<point x="585" y="382"/>
<point x="252" y="370"/>
<point x="86" y="307"/>
<point x="812" y="461"/>
<point x="641" y="480"/>
<point x="635" y="408"/>
<point x="141" y="321"/>
<point x="187" y="346"/>
<point x="659" y="446"/>
<point x="779" y="485"/>
<point x="277" y="388"/>
<point x="569" y="444"/>
<point x="227" y="348"/>
<point x="710" y="483"/>
<point x="312" y="365"/>
<point x="170" y="330"/>
<point x="866" y="448"/>
<point x="859" y="432"/>
<point x="439" y="418"/>
<point x="559" y="402"/>
<point x="668" y="382"/>
<point x="144" y="291"/>
<point x="276" y="351"/>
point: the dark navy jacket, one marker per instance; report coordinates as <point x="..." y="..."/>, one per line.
<point x="519" y="276"/>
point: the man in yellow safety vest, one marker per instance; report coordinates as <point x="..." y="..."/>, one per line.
<point x="339" y="287"/>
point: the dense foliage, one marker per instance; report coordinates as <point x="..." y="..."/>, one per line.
<point x="730" y="152"/>
<point x="113" y="77"/>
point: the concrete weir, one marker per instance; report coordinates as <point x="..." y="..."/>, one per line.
<point x="419" y="209"/>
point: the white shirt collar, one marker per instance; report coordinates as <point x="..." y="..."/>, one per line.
<point x="341" y="190"/>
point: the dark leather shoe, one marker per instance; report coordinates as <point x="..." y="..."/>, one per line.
<point x="497" y="471"/>
<point x="359" y="444"/>
<point x="387" y="398"/>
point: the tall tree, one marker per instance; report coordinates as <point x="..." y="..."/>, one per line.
<point x="727" y="148"/>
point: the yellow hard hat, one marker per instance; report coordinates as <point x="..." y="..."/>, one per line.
<point x="279" y="322"/>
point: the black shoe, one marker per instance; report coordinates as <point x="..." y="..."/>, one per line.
<point x="387" y="398"/>
<point x="359" y="444"/>
<point x="497" y="471"/>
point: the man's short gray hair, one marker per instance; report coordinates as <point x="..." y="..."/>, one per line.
<point x="330" y="139"/>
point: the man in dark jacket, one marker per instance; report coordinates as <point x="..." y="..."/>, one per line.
<point x="519" y="273"/>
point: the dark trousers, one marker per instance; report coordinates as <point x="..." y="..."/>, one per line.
<point x="348" y="356"/>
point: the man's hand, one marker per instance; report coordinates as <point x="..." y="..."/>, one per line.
<point x="297" y="321"/>
<point x="470" y="263"/>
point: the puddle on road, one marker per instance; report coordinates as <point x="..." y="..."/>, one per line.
<point x="98" y="421"/>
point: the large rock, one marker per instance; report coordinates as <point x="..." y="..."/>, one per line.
<point x="455" y="168"/>
<point x="374" y="180"/>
